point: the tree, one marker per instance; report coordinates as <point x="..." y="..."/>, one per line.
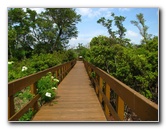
<point x="46" y="32"/>
<point x="118" y="20"/>
<point x="19" y="36"/>
<point x="81" y="50"/>
<point x="100" y="41"/>
<point x="140" y="24"/>
<point x="118" y="23"/>
<point x="64" y="20"/>
<point x="108" y="24"/>
<point x="137" y="67"/>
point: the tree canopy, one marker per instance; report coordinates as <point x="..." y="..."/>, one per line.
<point x="135" y="65"/>
<point x="46" y="32"/>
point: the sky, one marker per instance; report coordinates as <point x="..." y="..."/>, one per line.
<point x="89" y="28"/>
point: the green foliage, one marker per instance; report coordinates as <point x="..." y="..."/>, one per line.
<point x="81" y="50"/>
<point x="100" y="41"/>
<point x="31" y="33"/>
<point x="24" y="95"/>
<point x="93" y="75"/>
<point x="118" y="21"/>
<point x="68" y="55"/>
<point x="135" y="66"/>
<point x="27" y="116"/>
<point x="140" y="24"/>
<point x="46" y="86"/>
<point x="38" y="63"/>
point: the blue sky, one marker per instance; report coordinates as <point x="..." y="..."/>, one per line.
<point x="89" y="28"/>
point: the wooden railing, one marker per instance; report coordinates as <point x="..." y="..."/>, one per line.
<point x="17" y="85"/>
<point x="145" y="109"/>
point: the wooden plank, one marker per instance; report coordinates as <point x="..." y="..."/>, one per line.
<point x="75" y="101"/>
<point x="107" y="94"/>
<point x="100" y="88"/>
<point x="120" y="107"/>
<point x="33" y="90"/>
<point x="11" y="109"/>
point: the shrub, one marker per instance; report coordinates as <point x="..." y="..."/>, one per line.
<point x="46" y="86"/>
<point x="27" y="116"/>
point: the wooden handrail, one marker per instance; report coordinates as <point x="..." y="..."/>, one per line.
<point x="19" y="84"/>
<point x="143" y="107"/>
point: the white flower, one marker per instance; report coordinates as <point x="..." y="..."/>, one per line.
<point x="54" y="88"/>
<point x="56" y="80"/>
<point x="10" y="62"/>
<point x="52" y="77"/>
<point x="48" y="94"/>
<point x="24" y="68"/>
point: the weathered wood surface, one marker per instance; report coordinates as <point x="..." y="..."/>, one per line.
<point x="76" y="100"/>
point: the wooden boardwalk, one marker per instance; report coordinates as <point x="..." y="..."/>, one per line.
<point x="76" y="100"/>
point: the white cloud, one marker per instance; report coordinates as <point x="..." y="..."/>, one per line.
<point x="93" y="12"/>
<point x="131" y="33"/>
<point x="74" y="41"/>
<point x="133" y="36"/>
<point x="86" y="38"/>
<point x="85" y="12"/>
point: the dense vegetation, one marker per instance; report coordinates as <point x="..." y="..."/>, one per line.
<point x="37" y="41"/>
<point x="135" y="65"/>
<point x="31" y="33"/>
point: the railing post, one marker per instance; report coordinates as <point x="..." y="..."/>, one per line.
<point x="96" y="87"/>
<point x="11" y="109"/>
<point x="56" y="74"/>
<point x="34" y="91"/>
<point x="120" y="107"/>
<point x="101" y="87"/>
<point x="59" y="74"/>
<point x="62" y="71"/>
<point x="107" y="93"/>
<point x="65" y="70"/>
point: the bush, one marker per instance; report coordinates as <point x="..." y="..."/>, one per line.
<point x="27" y="116"/>
<point x="46" y="87"/>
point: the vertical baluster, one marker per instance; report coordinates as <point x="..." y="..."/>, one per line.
<point x="56" y="74"/>
<point x="68" y="66"/>
<point x="107" y="94"/>
<point x="62" y="73"/>
<point x="120" y="107"/>
<point x="96" y="87"/>
<point x="34" y="91"/>
<point x="64" y="68"/>
<point x="90" y="71"/>
<point x="11" y="109"/>
<point x="101" y="87"/>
